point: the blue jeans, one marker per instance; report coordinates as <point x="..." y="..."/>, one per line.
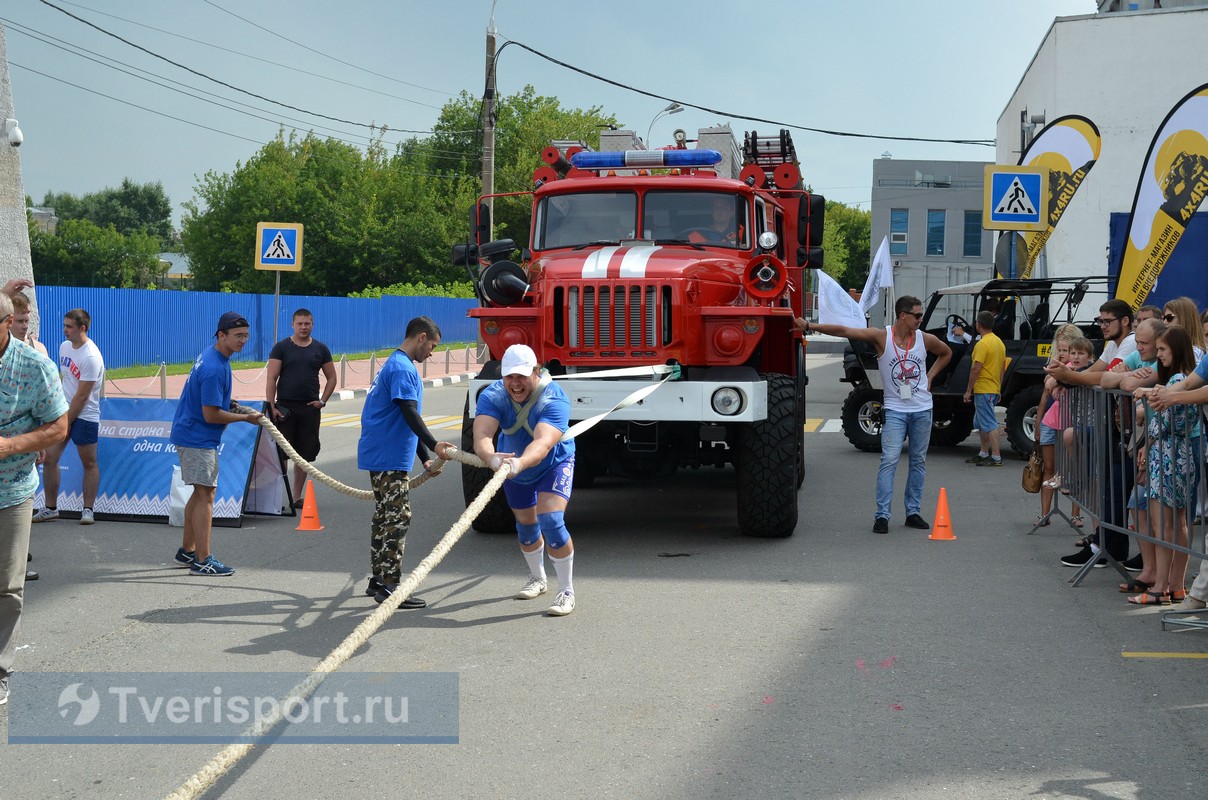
<point x="900" y="426"/>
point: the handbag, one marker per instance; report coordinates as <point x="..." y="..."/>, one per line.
<point x="1033" y="472"/>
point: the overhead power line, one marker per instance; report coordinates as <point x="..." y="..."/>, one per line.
<point x="320" y="53"/>
<point x="204" y="75"/>
<point x="299" y="70"/>
<point x="203" y="126"/>
<point x="731" y="114"/>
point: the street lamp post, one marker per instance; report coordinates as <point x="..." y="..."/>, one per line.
<point x="674" y="108"/>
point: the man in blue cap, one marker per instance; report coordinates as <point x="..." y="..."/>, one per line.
<point x="201" y="417"/>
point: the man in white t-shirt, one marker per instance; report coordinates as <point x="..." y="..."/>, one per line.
<point x="83" y="370"/>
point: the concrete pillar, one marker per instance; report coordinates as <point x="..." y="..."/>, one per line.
<point x="14" y="233"/>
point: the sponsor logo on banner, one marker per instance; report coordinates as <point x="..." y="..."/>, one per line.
<point x="1173" y="183"/>
<point x="1068" y="147"/>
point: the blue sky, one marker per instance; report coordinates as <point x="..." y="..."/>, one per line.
<point x="933" y="68"/>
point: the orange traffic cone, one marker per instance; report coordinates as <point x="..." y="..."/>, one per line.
<point x="310" y="511"/>
<point x="942" y="529"/>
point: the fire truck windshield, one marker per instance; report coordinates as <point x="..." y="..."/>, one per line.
<point x="574" y="220"/>
<point x="710" y="218"/>
<point x="698" y="218"/>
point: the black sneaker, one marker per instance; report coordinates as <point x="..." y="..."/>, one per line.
<point x="375" y="586"/>
<point x="1080" y="558"/>
<point x="1132" y="564"/>
<point x="880" y="525"/>
<point x="388" y="589"/>
<point x="990" y="462"/>
<point x="30" y="575"/>
<point x="977" y="460"/>
<point x="915" y="521"/>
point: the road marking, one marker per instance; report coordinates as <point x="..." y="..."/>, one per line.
<point x="1143" y="654"/>
<point x="832" y="426"/>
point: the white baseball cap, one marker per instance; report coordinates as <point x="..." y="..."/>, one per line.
<point x="519" y="359"/>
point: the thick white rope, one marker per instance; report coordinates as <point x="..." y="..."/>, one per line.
<point x="218" y="766"/>
<point x="343" y="488"/>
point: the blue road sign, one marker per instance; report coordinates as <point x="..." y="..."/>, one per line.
<point x="1016" y="198"/>
<point x="279" y="246"/>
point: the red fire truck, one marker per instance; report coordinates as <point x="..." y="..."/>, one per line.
<point x="649" y="259"/>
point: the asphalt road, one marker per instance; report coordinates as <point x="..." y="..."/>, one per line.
<point x="699" y="664"/>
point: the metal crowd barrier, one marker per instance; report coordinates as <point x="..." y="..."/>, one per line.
<point x="1111" y="447"/>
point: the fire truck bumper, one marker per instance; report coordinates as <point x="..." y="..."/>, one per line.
<point x="673" y="401"/>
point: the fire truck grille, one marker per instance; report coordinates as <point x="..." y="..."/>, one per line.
<point x="617" y="319"/>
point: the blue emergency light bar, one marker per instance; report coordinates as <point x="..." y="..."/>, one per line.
<point x="645" y="159"/>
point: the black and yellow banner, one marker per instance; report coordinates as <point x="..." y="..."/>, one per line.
<point x="1068" y="147"/>
<point x="1173" y="183"/>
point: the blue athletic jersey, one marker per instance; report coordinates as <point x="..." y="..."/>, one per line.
<point x="553" y="409"/>
<point x="387" y="441"/>
<point x="208" y="384"/>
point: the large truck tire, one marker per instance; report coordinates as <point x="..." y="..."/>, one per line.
<point x="496" y="517"/>
<point x="767" y="465"/>
<point x="1021" y="420"/>
<point x="951" y="426"/>
<point x="802" y="381"/>
<point x="861" y="418"/>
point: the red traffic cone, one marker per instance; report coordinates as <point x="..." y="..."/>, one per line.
<point x="942" y="530"/>
<point x="310" y="512"/>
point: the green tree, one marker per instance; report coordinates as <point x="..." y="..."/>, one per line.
<point x="81" y="253"/>
<point x="846" y="239"/>
<point x="130" y="208"/>
<point x="525" y="124"/>
<point x="370" y="218"/>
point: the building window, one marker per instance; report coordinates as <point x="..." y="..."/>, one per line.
<point x="935" y="232"/>
<point x="973" y="234"/>
<point x="899" y="221"/>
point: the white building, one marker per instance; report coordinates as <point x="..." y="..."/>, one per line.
<point x="1124" y="70"/>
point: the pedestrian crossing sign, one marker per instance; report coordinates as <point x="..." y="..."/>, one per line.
<point x="1015" y="198"/>
<point x="279" y="246"/>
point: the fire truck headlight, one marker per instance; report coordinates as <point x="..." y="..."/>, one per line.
<point x="768" y="240"/>
<point x="727" y="401"/>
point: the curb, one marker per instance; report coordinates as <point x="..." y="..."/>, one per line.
<point x="428" y="383"/>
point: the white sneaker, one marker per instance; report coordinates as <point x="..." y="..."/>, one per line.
<point x="45" y="515"/>
<point x="564" y="603"/>
<point x="534" y="588"/>
<point x="86" y="517"/>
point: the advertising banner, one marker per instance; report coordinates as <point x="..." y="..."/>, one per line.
<point x="1172" y="185"/>
<point x="136" y="460"/>
<point x="1067" y="147"/>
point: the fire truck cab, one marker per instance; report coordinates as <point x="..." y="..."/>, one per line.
<point x="648" y="266"/>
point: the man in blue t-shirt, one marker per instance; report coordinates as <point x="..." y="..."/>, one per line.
<point x="393" y="433"/>
<point x="201" y="417"/>
<point x="531" y="413"/>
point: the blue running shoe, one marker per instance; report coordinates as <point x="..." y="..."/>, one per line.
<point x="185" y="558"/>
<point x="211" y="567"/>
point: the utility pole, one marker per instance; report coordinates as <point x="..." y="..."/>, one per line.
<point x="488" y="125"/>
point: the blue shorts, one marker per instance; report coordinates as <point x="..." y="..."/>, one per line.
<point x="983" y="412"/>
<point x="1137" y="500"/>
<point x="84" y="433"/>
<point x="557" y="480"/>
<point x="1047" y="435"/>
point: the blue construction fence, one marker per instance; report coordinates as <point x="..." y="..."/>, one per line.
<point x="147" y="326"/>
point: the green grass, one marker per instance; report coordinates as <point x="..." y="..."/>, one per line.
<point x="148" y="370"/>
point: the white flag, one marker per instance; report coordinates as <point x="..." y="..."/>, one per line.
<point x="880" y="276"/>
<point x="835" y="306"/>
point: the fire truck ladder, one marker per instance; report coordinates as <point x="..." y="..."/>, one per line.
<point x="769" y="152"/>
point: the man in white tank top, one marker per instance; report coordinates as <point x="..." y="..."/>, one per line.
<point x="902" y="359"/>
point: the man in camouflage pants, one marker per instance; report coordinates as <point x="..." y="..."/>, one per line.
<point x="393" y="433"/>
